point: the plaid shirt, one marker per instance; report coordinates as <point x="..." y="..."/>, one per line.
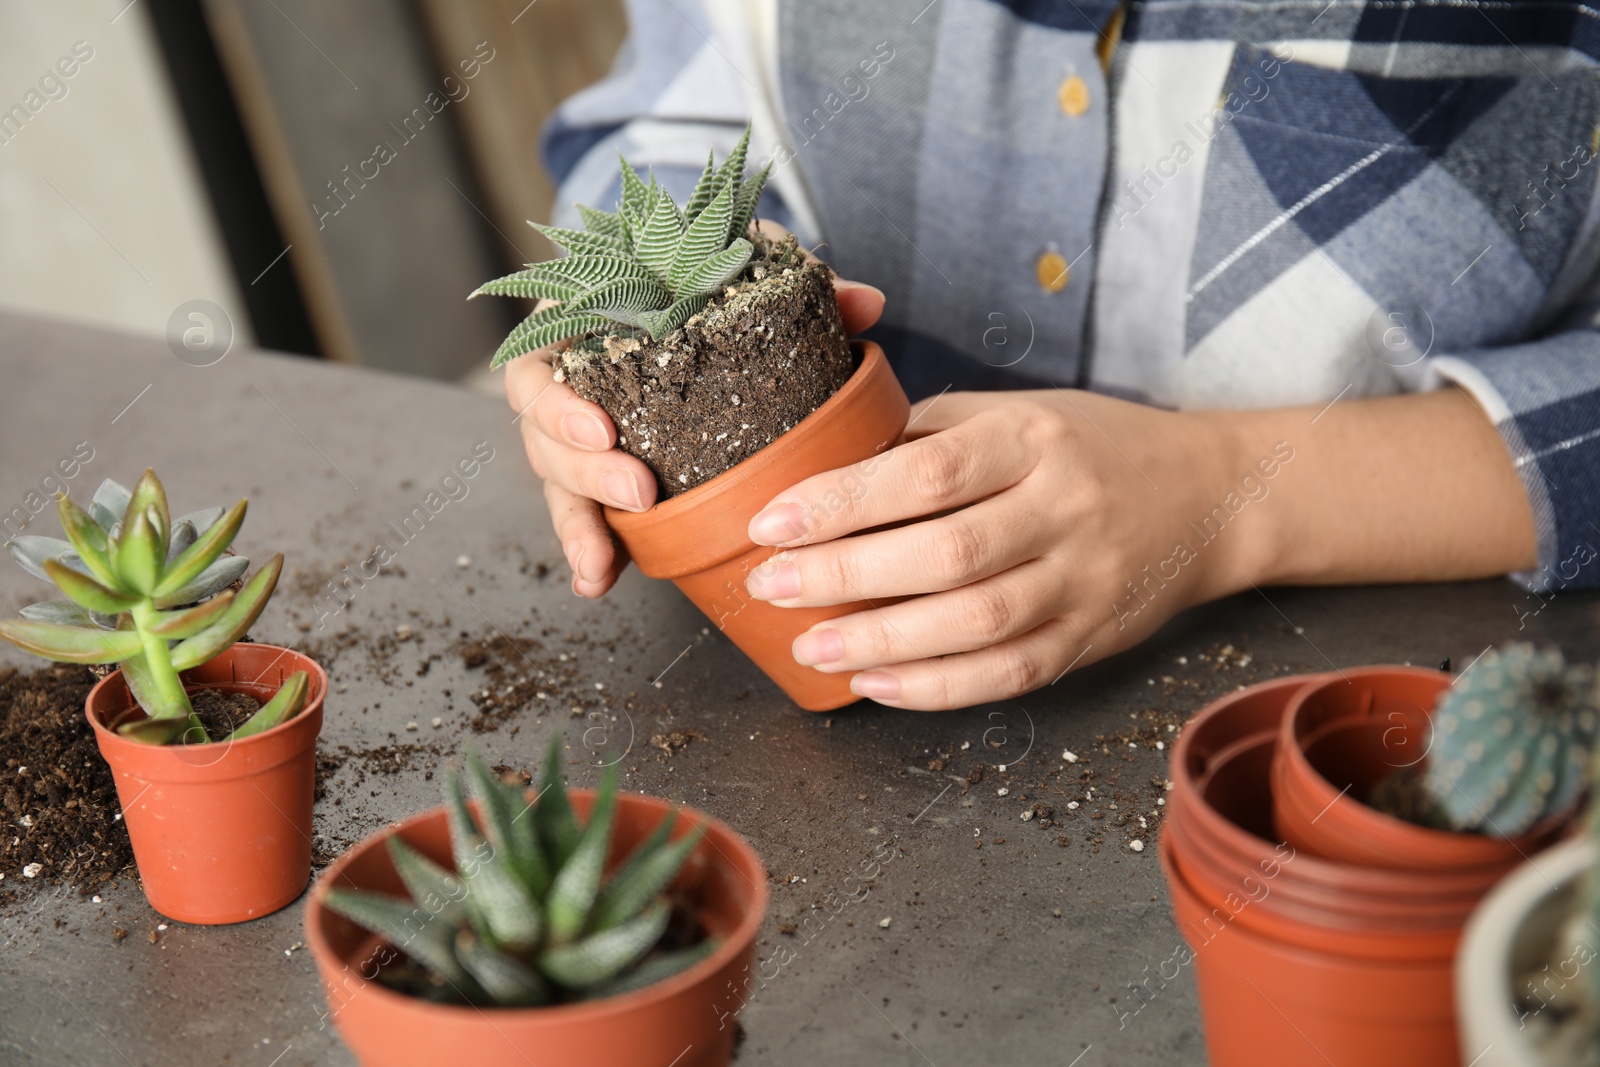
<point x="1191" y="203"/>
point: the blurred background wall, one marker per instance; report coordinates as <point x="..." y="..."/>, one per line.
<point x="334" y="177"/>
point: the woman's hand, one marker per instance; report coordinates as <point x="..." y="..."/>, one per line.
<point x="571" y="444"/>
<point x="1042" y="531"/>
<point x="1038" y="531"/>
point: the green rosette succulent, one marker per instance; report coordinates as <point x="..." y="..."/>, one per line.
<point x="525" y="918"/>
<point x="1512" y="741"/>
<point x="642" y="271"/>
<point x="151" y="594"/>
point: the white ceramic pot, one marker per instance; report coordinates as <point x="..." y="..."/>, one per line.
<point x="1512" y="933"/>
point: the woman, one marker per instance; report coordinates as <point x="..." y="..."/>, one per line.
<point x="1255" y="293"/>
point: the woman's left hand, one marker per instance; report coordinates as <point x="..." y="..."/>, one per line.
<point x="1037" y="531"/>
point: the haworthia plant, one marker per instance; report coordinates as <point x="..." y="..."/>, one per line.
<point x="152" y="595"/>
<point x="525" y="917"/>
<point x="1512" y="741"/>
<point x="643" y="270"/>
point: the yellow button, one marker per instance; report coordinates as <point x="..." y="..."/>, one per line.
<point x="1051" y="270"/>
<point x="1073" y="96"/>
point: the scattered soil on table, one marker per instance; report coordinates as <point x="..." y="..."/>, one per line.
<point x="58" y="798"/>
<point x="222" y="712"/>
<point x="1113" y="790"/>
<point x="764" y="354"/>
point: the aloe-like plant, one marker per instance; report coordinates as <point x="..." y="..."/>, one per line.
<point x="639" y="272"/>
<point x="525" y="917"/>
<point x="1512" y="741"/>
<point x="152" y="595"/>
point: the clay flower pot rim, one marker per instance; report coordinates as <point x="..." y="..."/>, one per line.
<point x="733" y="943"/>
<point x="1488" y="850"/>
<point x="668" y="510"/>
<point x="316" y="689"/>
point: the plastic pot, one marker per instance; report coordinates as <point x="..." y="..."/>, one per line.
<point x="1343" y="735"/>
<point x="685" y="1021"/>
<point x="1229" y="833"/>
<point x="221" y="832"/>
<point x="1517" y="931"/>
<point x="1264" y="1000"/>
<point x="699" y="539"/>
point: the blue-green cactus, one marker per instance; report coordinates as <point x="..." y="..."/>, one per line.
<point x="1512" y="740"/>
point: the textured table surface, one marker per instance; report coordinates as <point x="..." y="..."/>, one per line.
<point x="984" y="939"/>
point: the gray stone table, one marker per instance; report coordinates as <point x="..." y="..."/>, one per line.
<point x="985" y="939"/>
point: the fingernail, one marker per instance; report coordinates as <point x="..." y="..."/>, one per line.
<point x="584" y="429"/>
<point x="818" y="646"/>
<point x="843" y="283"/>
<point x="777" y="524"/>
<point x="875" y="685"/>
<point x="776" y="579"/>
<point x="621" y="490"/>
<point x="576" y="556"/>
<point x="574" y="553"/>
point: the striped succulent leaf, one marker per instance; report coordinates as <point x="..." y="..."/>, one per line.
<point x="596" y="936"/>
<point x="674" y="259"/>
<point x="602" y="222"/>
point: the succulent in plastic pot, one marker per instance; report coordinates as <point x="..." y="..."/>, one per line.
<point x="526" y="917"/>
<point x="152" y="595"/>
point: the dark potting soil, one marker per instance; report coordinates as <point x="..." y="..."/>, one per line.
<point x="222" y="712"/>
<point x="58" y="797"/>
<point x="1403" y="794"/>
<point x="765" y="353"/>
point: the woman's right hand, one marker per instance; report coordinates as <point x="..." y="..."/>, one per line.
<point x="571" y="445"/>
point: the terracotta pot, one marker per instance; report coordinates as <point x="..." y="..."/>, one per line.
<point x="685" y="1021"/>
<point x="1264" y="1000"/>
<point x="1229" y="831"/>
<point x="221" y="832"/>
<point x="699" y="539"/>
<point x="1520" y="930"/>
<point x="1343" y="735"/>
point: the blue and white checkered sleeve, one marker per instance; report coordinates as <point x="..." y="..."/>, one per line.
<point x="1544" y="397"/>
<point x="673" y="95"/>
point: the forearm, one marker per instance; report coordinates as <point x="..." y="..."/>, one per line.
<point x="1392" y="489"/>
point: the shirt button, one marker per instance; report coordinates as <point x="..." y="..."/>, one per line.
<point x="1073" y="96"/>
<point x="1051" y="270"/>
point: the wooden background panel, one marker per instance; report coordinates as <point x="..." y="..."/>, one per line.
<point x="356" y="133"/>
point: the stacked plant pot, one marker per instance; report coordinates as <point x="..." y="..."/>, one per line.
<point x="1323" y="931"/>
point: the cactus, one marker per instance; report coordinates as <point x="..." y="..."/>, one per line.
<point x="151" y="594"/>
<point x="525" y="918"/>
<point x="1512" y="741"/>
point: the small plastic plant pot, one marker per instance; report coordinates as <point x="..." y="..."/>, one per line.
<point x="1222" y="808"/>
<point x="1263" y="1000"/>
<point x="221" y="832"/>
<point x="1232" y="836"/>
<point x="1272" y="902"/>
<point x="1339" y="738"/>
<point x="700" y="539"/>
<point x="686" y="1020"/>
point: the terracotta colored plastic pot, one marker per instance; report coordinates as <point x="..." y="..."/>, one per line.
<point x="1265" y="1001"/>
<point x="1231" y="834"/>
<point x="685" y="1021"/>
<point x="699" y="539"/>
<point x="1272" y="901"/>
<point x="1342" y="736"/>
<point x="221" y="832"/>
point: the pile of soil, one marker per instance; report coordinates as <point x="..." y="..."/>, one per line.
<point x="221" y="712"/>
<point x="57" y="796"/>
<point x="763" y="354"/>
